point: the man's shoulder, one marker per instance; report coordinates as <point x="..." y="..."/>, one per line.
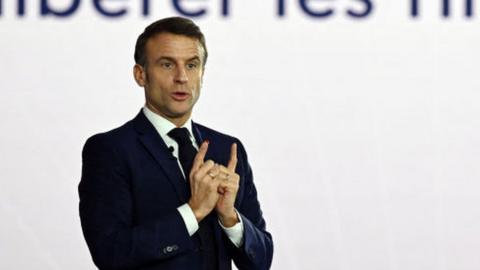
<point x="114" y="136"/>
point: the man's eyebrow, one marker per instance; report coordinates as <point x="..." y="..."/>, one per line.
<point x="194" y="58"/>
<point x="171" y="59"/>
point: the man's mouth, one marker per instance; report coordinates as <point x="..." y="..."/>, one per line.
<point x="180" y="96"/>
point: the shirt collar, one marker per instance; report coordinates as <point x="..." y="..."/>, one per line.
<point x="163" y="126"/>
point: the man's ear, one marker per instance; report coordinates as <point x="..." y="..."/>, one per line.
<point x="139" y="73"/>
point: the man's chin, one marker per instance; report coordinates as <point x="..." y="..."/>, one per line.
<point x="183" y="114"/>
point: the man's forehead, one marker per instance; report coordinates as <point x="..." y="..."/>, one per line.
<point x="173" y="45"/>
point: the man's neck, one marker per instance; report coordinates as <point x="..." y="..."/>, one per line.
<point x="177" y="121"/>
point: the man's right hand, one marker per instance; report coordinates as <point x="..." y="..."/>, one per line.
<point x="203" y="187"/>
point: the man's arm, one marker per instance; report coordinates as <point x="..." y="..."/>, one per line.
<point x="106" y="214"/>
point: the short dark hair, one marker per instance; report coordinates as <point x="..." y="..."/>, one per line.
<point x="173" y="25"/>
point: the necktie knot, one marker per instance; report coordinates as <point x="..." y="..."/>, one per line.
<point x="180" y="135"/>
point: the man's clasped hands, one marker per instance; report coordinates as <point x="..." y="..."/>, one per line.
<point x="214" y="186"/>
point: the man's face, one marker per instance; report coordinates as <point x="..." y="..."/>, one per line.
<point x="172" y="76"/>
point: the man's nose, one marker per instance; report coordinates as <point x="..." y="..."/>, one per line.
<point x="181" y="75"/>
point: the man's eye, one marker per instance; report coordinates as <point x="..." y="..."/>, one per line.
<point x="167" y="65"/>
<point x="192" y="66"/>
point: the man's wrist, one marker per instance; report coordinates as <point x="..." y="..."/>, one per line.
<point x="229" y="220"/>
<point x="235" y="232"/>
<point x="199" y="214"/>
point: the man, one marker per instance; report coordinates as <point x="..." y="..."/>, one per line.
<point x="163" y="192"/>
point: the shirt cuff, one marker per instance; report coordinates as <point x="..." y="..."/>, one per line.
<point x="234" y="233"/>
<point x="189" y="218"/>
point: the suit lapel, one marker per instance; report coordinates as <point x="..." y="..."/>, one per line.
<point x="200" y="138"/>
<point x="154" y="144"/>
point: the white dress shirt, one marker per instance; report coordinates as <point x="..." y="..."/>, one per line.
<point x="163" y="126"/>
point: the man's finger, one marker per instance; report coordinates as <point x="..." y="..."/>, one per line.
<point x="224" y="172"/>
<point x="214" y="171"/>
<point x="232" y="163"/>
<point x="200" y="156"/>
<point x="205" y="168"/>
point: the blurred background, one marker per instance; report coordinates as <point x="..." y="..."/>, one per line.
<point x="360" y="118"/>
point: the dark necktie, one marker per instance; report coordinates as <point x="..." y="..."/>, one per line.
<point x="186" y="151"/>
<point x="186" y="155"/>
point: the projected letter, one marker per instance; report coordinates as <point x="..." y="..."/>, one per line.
<point x="364" y="13"/>
<point x="45" y="9"/>
<point x="315" y="13"/>
<point x="21" y="7"/>
<point x="225" y="7"/>
<point x="146" y="7"/>
<point x="109" y="13"/>
<point x="184" y="12"/>
<point x="446" y="8"/>
<point x="281" y="8"/>
<point x="469" y="8"/>
<point x="414" y="8"/>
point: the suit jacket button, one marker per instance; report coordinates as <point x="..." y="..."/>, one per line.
<point x="168" y="249"/>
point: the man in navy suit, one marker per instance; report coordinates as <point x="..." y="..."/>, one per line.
<point x="161" y="191"/>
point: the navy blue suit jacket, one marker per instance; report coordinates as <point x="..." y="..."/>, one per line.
<point x="130" y="189"/>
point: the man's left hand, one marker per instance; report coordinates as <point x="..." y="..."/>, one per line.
<point x="228" y="189"/>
